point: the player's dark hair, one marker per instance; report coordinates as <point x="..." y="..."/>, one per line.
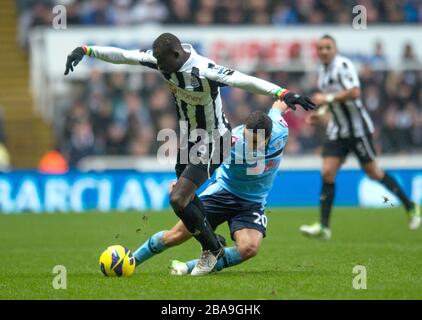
<point x="259" y="120"/>
<point x="327" y="36"/>
<point x="167" y="42"/>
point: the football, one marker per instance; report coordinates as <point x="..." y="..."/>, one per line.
<point x="117" y="261"/>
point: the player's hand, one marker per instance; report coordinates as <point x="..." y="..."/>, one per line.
<point x="319" y="99"/>
<point x="312" y="119"/>
<point x="282" y="106"/>
<point x="73" y="59"/>
<point x="292" y="99"/>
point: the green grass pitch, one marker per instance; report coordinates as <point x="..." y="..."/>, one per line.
<point x="288" y="265"/>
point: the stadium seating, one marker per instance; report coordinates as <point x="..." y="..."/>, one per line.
<point x="28" y="136"/>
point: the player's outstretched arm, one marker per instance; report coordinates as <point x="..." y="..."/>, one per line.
<point x="111" y="55"/>
<point x="252" y="84"/>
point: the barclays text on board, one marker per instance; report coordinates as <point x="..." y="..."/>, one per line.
<point x="30" y="191"/>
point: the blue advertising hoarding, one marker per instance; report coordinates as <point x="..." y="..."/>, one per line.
<point x="31" y="191"/>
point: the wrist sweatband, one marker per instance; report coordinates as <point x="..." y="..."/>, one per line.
<point x="87" y="50"/>
<point x="280" y="93"/>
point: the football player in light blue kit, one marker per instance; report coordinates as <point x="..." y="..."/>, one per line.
<point x="238" y="194"/>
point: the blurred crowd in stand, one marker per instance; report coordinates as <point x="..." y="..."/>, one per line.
<point x="120" y="113"/>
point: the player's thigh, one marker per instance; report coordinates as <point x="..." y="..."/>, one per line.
<point x="196" y="173"/>
<point x="248" y="215"/>
<point x="248" y="241"/>
<point x="220" y="150"/>
<point x="176" y="235"/>
<point x="204" y="159"/>
<point x="187" y="169"/>
<point x="363" y="148"/>
<point x="218" y="204"/>
<point x="186" y="166"/>
<point x="179" y="168"/>
<point x="338" y="148"/>
<point x="334" y="152"/>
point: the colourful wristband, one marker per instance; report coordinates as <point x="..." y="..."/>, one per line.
<point x="280" y="93"/>
<point x="87" y="50"/>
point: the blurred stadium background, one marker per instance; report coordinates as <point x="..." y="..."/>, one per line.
<point x="104" y="117"/>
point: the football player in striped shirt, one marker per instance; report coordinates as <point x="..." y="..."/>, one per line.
<point x="194" y="81"/>
<point x="349" y="130"/>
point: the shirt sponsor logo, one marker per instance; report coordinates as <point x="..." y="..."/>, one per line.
<point x="192" y="98"/>
<point x="194" y="82"/>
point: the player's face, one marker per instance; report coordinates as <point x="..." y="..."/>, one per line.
<point x="326" y="50"/>
<point x="167" y="61"/>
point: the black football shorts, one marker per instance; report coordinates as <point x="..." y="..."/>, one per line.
<point x="362" y="147"/>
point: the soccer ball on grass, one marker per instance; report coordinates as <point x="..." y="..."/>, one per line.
<point x="117" y="261"/>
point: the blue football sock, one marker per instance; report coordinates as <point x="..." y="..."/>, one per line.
<point x="154" y="245"/>
<point x="191" y="264"/>
<point x="231" y="258"/>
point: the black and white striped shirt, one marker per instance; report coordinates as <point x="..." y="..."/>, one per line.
<point x="350" y="118"/>
<point x="195" y="86"/>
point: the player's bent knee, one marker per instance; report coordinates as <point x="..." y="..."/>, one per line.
<point x="178" y="202"/>
<point x="372" y="175"/>
<point x="249" y="250"/>
<point x="328" y="175"/>
<point x="375" y="174"/>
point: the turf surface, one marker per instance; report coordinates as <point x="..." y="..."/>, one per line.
<point x="288" y="266"/>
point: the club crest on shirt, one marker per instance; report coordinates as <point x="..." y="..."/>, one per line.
<point x="194" y="82"/>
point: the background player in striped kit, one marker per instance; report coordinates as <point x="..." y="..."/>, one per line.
<point x="349" y="129"/>
<point x="194" y="81"/>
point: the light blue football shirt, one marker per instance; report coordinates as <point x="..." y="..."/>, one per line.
<point x="253" y="177"/>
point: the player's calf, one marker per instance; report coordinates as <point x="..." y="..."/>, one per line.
<point x="161" y="241"/>
<point x="176" y="235"/>
<point x="189" y="209"/>
<point x="154" y="245"/>
<point x="376" y="173"/>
